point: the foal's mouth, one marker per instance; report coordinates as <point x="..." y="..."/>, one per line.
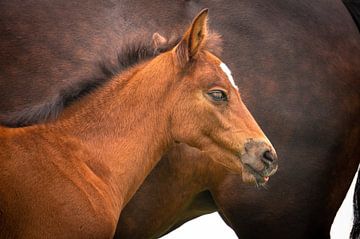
<point x="261" y="177"/>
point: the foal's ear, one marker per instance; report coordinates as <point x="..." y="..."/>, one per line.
<point x="158" y="41"/>
<point x="193" y="39"/>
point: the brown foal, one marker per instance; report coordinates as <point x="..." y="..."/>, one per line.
<point x="72" y="177"/>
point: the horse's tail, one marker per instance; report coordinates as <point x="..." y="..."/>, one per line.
<point x="354" y="8"/>
<point x="355" y="231"/>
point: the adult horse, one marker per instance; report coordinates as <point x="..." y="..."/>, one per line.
<point x="296" y="63"/>
<point x="72" y="177"/>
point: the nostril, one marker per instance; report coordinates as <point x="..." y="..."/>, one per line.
<point x="268" y="157"/>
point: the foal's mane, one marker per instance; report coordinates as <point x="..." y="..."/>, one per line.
<point x="133" y="51"/>
<point x="140" y="49"/>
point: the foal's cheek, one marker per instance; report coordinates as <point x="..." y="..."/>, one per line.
<point x="233" y="165"/>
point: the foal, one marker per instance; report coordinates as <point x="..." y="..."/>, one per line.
<point x="71" y="178"/>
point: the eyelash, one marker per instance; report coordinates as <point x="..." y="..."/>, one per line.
<point x="218" y="95"/>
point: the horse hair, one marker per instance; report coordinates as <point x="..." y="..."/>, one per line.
<point x="134" y="51"/>
<point x="355" y="232"/>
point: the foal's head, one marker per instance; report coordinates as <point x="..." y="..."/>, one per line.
<point x="209" y="113"/>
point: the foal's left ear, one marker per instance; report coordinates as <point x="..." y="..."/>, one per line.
<point x="158" y="41"/>
<point x="193" y="40"/>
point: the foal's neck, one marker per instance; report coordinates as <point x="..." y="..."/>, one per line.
<point x="125" y="124"/>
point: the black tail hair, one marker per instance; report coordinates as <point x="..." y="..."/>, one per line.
<point x="355" y="231"/>
<point x="354" y="8"/>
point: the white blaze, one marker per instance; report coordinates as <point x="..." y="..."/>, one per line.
<point x="227" y="71"/>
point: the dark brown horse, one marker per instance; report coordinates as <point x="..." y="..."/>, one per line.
<point x="295" y="62"/>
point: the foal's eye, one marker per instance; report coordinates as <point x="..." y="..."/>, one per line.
<point x="218" y="95"/>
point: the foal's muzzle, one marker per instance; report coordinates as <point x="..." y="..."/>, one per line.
<point x="260" y="159"/>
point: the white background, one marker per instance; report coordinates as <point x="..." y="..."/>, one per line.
<point x="211" y="226"/>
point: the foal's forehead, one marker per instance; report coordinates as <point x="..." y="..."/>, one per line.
<point x="228" y="74"/>
<point x="226" y="70"/>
